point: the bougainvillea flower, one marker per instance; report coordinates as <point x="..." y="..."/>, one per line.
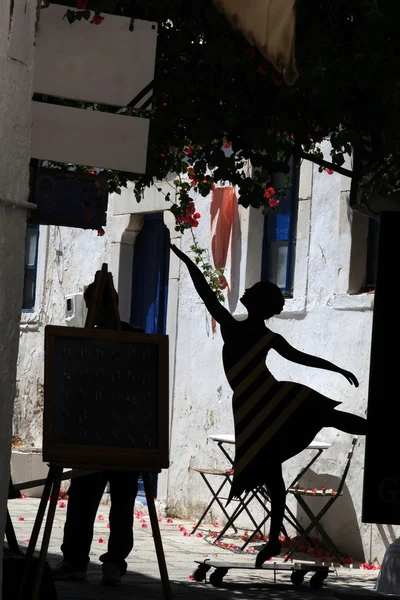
<point x="62" y="504"/>
<point x="108" y="525"/>
<point x="21" y="518"/>
<point x="186" y="534"/>
<point x="273" y="202"/>
<point x="101" y="541"/>
<point x="144" y="525"/>
<point x="199" y="535"/>
<point x="277" y="79"/>
<point x="329" y="171"/>
<point x="100" y="232"/>
<point x="100" y="518"/>
<point x="169" y="520"/>
<point x="215" y="524"/>
<point x="269" y="192"/>
<point x="97" y="20"/>
<point x="262" y="70"/>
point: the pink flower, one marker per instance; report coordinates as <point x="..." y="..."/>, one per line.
<point x="188" y="149"/>
<point x="91" y="172"/>
<point x="159" y="519"/>
<point x="186" y="534"/>
<point x="182" y="528"/>
<point x="262" y="70"/>
<point x="227" y="144"/>
<point x="21" y="519"/>
<point x="228" y="471"/>
<point x="81" y="4"/>
<point x="97" y="20"/>
<point x="100" y="232"/>
<point x="108" y="525"/>
<point x="27" y="539"/>
<point x="329" y="171"/>
<point x="199" y="535"/>
<point x="101" y="541"/>
<point x="62" y="504"/>
<point x="144" y="525"/>
<point x="251" y="52"/>
<point x="169" y="520"/>
<point x="269" y="192"/>
<point x="100" y="518"/>
<point x="23" y="496"/>
<point x="215" y="524"/>
<point x="277" y="79"/>
<point x="191" y="577"/>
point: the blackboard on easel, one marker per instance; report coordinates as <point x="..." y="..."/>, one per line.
<point x="106" y="399"/>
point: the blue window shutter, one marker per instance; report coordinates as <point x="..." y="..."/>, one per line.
<point x="150" y="276"/>
<point x="279" y="241"/>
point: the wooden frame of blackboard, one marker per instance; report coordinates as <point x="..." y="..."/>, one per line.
<point x="100" y="457"/>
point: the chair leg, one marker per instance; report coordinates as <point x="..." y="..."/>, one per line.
<point x="216" y="499"/>
<point x="315" y="524"/>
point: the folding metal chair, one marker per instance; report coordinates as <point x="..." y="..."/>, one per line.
<point x="332" y="496"/>
<point x="226" y="475"/>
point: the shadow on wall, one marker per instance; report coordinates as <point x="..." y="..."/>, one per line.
<point x="340" y="522"/>
<point x="388" y="536"/>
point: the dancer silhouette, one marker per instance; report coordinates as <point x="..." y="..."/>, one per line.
<point x="274" y="420"/>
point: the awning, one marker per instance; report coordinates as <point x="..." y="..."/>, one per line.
<point x="270" y="26"/>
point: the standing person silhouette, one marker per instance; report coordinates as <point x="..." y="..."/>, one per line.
<point x="274" y="420"/>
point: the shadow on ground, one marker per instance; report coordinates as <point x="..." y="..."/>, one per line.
<point x="136" y="586"/>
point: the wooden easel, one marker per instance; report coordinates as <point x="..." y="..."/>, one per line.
<point x="103" y="287"/>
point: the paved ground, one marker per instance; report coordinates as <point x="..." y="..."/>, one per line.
<point x="142" y="581"/>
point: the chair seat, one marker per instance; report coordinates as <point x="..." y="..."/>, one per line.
<point x="314" y="492"/>
<point x="211" y="471"/>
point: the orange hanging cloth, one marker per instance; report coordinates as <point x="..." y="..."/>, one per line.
<point x="222" y="209"/>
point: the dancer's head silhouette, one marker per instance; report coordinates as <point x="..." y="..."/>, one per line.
<point x="263" y="300"/>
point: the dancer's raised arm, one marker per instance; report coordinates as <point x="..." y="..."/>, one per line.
<point x="214" y="307"/>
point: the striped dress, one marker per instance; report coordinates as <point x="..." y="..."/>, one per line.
<point x="273" y="420"/>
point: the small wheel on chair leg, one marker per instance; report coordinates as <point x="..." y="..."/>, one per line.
<point x="297" y="578"/>
<point x="200" y="574"/>
<point x="217" y="576"/>
<point x="317" y="580"/>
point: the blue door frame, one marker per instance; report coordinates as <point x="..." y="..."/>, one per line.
<point x="150" y="285"/>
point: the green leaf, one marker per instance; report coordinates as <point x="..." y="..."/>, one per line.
<point x="71" y="16"/>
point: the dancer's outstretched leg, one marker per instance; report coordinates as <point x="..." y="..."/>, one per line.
<point x="346" y="422"/>
<point x="277" y="492"/>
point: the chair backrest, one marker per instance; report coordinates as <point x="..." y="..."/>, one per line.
<point x="347" y="467"/>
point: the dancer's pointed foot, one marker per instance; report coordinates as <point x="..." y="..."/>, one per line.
<point x="272" y="548"/>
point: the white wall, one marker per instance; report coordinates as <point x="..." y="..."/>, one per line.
<point x="67" y="261"/>
<point x="15" y="96"/>
<point x="321" y="318"/>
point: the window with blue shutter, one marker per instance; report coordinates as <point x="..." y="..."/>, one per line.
<point x="279" y="238"/>
<point x="31" y="252"/>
